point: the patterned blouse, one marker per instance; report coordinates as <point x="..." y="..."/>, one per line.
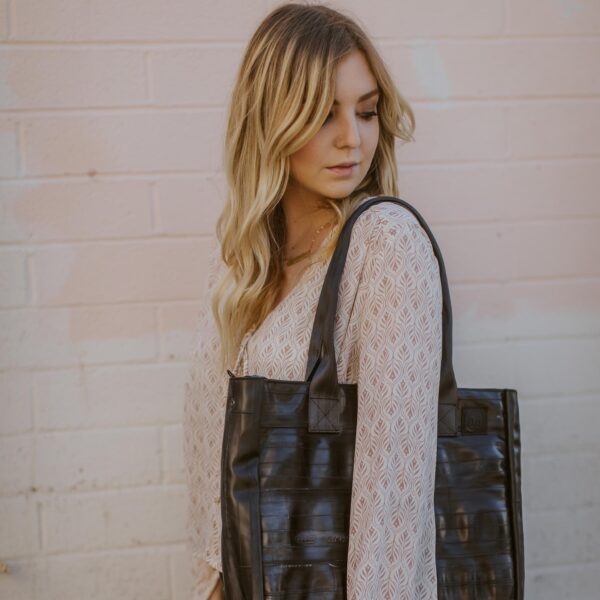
<point x="388" y="340"/>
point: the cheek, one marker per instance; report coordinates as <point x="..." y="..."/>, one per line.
<point x="309" y="156"/>
<point x="371" y="137"/>
<point x="370" y="141"/>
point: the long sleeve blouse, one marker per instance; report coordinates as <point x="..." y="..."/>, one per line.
<point x="388" y="340"/>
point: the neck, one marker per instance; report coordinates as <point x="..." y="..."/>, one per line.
<point x="303" y="215"/>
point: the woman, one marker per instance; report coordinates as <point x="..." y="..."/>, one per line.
<point x="312" y="93"/>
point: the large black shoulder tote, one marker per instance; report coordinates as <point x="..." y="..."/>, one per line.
<point x="287" y="464"/>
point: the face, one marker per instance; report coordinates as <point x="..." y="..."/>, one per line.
<point x="349" y="134"/>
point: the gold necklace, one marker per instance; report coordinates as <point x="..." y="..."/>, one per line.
<point x="293" y="260"/>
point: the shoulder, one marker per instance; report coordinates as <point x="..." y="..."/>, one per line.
<point x="399" y="261"/>
<point x="389" y="227"/>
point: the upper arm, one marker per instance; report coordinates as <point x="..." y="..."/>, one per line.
<point x="401" y="275"/>
<point x="399" y="361"/>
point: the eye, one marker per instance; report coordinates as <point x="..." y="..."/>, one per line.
<point x="369" y="115"/>
<point x="366" y="116"/>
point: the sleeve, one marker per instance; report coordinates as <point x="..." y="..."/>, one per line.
<point x="200" y="374"/>
<point x="391" y="553"/>
<point x="215" y="269"/>
<point x="205" y="580"/>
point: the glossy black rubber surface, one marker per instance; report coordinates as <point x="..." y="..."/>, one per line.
<point x="288" y="488"/>
<point x="479" y="547"/>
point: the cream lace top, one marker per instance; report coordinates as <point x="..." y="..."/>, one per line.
<point x="388" y="340"/>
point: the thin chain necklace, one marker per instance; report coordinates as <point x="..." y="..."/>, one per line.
<point x="294" y="259"/>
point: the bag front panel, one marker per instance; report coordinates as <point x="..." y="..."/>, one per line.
<point x="295" y="484"/>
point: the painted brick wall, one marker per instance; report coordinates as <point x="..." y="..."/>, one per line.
<point x="111" y="124"/>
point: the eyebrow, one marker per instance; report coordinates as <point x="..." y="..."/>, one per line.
<point x="364" y="96"/>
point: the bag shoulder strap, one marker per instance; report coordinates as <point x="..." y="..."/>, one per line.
<point x="321" y="368"/>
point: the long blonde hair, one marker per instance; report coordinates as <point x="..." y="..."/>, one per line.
<point x="284" y="90"/>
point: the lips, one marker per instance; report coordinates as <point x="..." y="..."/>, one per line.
<point x="343" y="171"/>
<point x="343" y="165"/>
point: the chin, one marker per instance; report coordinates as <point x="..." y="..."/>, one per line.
<point x="341" y="188"/>
<point x="341" y="192"/>
<point x="341" y="195"/>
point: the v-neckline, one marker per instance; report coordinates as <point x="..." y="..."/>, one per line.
<point x="297" y="285"/>
<point x="252" y="332"/>
<point x="294" y="290"/>
<point x="301" y="281"/>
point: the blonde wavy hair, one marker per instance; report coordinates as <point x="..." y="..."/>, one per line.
<point x="284" y="90"/>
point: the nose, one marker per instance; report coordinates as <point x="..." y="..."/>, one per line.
<point x="349" y="133"/>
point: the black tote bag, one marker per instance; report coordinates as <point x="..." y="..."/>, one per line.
<point x="287" y="464"/>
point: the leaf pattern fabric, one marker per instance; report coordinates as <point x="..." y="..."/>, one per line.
<point x="388" y="340"/>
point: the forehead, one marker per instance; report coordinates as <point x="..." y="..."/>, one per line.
<point x="353" y="78"/>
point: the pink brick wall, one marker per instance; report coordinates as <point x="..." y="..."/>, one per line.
<point x="111" y="125"/>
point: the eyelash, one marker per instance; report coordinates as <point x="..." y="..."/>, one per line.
<point x="366" y="116"/>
